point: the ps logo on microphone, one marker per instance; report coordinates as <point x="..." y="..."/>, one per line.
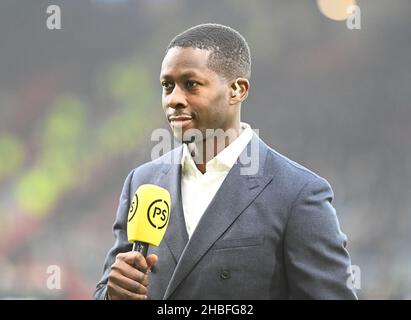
<point x="133" y="208"/>
<point x="158" y="213"/>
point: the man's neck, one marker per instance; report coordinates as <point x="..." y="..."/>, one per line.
<point x="212" y="146"/>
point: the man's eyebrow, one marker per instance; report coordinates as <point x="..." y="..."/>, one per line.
<point x="184" y="74"/>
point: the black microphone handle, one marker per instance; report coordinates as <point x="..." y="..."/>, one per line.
<point x="141" y="247"/>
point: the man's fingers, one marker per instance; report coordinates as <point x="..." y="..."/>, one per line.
<point x="128" y="271"/>
<point x="151" y="260"/>
<point x="135" y="259"/>
<point x="116" y="292"/>
<point x="128" y="284"/>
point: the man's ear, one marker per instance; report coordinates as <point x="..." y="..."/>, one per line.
<point x="239" y="90"/>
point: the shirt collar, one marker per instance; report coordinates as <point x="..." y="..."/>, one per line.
<point x="224" y="160"/>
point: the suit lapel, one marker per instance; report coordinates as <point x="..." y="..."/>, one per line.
<point x="176" y="235"/>
<point x="233" y="197"/>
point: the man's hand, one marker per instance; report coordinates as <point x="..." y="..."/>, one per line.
<point x="128" y="279"/>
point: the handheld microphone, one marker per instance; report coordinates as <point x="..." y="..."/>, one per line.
<point x="148" y="217"/>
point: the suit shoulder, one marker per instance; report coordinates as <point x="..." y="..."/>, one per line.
<point x="292" y="170"/>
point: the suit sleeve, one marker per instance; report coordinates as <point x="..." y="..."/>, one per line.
<point x="315" y="252"/>
<point x="121" y="243"/>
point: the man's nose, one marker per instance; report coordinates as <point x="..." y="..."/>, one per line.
<point x="176" y="99"/>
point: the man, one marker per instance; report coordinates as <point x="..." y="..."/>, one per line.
<point x="271" y="234"/>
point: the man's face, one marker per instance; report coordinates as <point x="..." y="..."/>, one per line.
<point x="194" y="96"/>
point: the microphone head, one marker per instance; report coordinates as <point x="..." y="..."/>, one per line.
<point x="149" y="214"/>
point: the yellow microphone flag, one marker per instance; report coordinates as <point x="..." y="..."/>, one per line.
<point x="149" y="214"/>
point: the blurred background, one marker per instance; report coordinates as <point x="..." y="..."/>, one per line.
<point x="78" y="105"/>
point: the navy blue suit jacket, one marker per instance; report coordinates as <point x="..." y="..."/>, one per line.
<point x="269" y="235"/>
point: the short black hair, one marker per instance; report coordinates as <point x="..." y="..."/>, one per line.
<point x="230" y="53"/>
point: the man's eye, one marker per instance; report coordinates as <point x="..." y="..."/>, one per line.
<point x="166" y="85"/>
<point x="192" y="84"/>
